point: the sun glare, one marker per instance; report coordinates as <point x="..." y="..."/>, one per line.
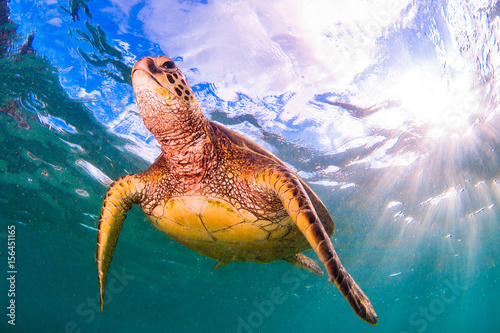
<point x="442" y="105"/>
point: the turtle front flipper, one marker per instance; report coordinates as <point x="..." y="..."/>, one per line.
<point x="122" y="194"/>
<point x="301" y="210"/>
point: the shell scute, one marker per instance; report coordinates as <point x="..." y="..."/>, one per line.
<point x="184" y="215"/>
<point x="242" y="232"/>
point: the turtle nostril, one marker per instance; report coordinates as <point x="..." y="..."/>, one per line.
<point x="153" y="69"/>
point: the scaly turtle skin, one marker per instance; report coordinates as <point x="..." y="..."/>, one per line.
<point x="218" y="193"/>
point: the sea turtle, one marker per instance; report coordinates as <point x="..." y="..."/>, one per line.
<point x="217" y="192"/>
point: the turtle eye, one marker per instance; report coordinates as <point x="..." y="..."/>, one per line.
<point x="169" y="64"/>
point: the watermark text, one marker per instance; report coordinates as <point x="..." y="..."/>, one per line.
<point x="11" y="273"/>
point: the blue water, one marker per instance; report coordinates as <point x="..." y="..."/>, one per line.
<point x="390" y="111"/>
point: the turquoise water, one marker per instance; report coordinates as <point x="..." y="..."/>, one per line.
<point x="389" y="111"/>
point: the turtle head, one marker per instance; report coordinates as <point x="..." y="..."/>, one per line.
<point x="162" y="75"/>
<point x="162" y="93"/>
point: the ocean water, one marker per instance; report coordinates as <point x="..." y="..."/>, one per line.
<point x="388" y="109"/>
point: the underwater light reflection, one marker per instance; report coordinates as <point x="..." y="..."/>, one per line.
<point x="445" y="200"/>
<point x="443" y="104"/>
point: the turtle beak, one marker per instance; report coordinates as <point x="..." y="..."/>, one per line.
<point x="143" y="64"/>
<point x="147" y="76"/>
<point x="147" y="65"/>
<point x="155" y="65"/>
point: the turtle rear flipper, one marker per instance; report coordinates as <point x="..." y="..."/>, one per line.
<point x="122" y="194"/>
<point x="298" y="206"/>
<point x="301" y="261"/>
<point x="221" y="263"/>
